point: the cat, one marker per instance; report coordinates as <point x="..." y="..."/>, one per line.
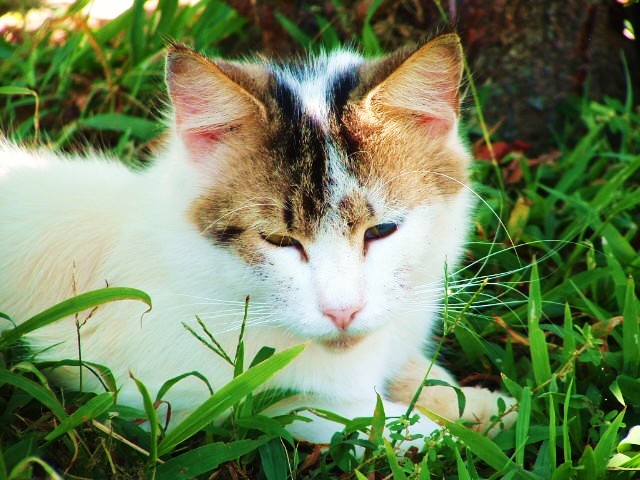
<point x="332" y="191"/>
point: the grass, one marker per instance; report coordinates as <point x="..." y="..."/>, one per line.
<point x="546" y="304"/>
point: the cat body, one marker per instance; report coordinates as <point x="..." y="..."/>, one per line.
<point x="333" y="193"/>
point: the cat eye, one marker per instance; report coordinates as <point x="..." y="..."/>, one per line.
<point x="282" y="241"/>
<point x="380" y="231"/>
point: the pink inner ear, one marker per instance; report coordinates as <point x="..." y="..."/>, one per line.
<point x="208" y="135"/>
<point x="436" y="125"/>
<point x="202" y="142"/>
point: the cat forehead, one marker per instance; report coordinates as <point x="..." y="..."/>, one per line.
<point x="309" y="143"/>
<point x="320" y="83"/>
<point x="314" y="146"/>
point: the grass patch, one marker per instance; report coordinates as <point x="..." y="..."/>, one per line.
<point x="545" y="305"/>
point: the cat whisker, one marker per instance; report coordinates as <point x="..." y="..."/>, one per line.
<point x="229" y="214"/>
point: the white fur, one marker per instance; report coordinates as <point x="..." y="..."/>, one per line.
<point x="70" y="225"/>
<point x="311" y="85"/>
<point x="90" y="222"/>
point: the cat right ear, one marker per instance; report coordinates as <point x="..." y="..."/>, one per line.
<point x="423" y="86"/>
<point x="209" y="104"/>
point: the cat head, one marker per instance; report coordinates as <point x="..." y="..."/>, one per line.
<point x="339" y="181"/>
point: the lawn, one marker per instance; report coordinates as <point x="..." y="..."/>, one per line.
<point x="544" y="307"/>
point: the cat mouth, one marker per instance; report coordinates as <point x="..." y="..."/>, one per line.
<point x="341" y="342"/>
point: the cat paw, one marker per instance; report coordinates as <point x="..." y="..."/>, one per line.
<point x="483" y="410"/>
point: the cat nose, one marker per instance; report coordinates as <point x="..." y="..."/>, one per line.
<point x="342" y="318"/>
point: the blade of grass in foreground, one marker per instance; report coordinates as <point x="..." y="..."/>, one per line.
<point x="522" y="425"/>
<point x="152" y="418"/>
<point x="24" y="467"/>
<point x="398" y="474"/>
<point x="630" y="332"/>
<point x="73" y="305"/>
<point x="34" y="390"/>
<point x="537" y="340"/>
<point x="204" y="459"/>
<point x="90" y="410"/>
<point x="11" y="90"/>
<point x="223" y="399"/>
<point x="607" y="444"/>
<point x="482" y="447"/>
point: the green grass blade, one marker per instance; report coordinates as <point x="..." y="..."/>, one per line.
<point x="461" y="399"/>
<point x="537" y="340"/>
<point x="359" y="476"/>
<point x="223" y="399"/>
<point x="539" y="356"/>
<point x="101" y="373"/>
<point x="141" y="128"/>
<point x="597" y="312"/>
<point x="568" y="338"/>
<point x="552" y="434"/>
<point x="136" y="31"/>
<point x="78" y="6"/>
<point x="425" y="473"/>
<point x="292" y="29"/>
<point x="618" y="275"/>
<point x="607" y="444"/>
<point x="589" y="465"/>
<point x="262" y="355"/>
<point x="535" y="297"/>
<point x="480" y="445"/>
<point x="330" y="37"/>
<point x="566" y="439"/>
<point x="370" y="42"/>
<point x="87" y="412"/>
<point x="396" y="470"/>
<point x="377" y="422"/>
<point x="3" y="466"/>
<point x="10" y="90"/>
<point x="19" y="471"/>
<point x="629" y="389"/>
<point x="68" y="307"/>
<point x="205" y="459"/>
<point x="463" y="473"/>
<point x="631" y="332"/>
<point x="522" y="425"/>
<point x="238" y="361"/>
<point x="167" y="10"/>
<point x="513" y="387"/>
<point x="166" y="386"/>
<point x="152" y="419"/>
<point x="267" y="425"/>
<point x="273" y="459"/>
<point x="35" y="390"/>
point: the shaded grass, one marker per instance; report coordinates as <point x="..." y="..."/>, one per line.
<point x="546" y="304"/>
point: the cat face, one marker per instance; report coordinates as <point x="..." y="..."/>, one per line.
<point x="333" y="179"/>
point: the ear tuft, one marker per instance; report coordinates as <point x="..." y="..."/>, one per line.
<point x="425" y="85"/>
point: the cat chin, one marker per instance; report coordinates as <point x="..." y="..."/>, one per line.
<point x="342" y="342"/>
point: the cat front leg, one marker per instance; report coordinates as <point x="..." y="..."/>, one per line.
<point x="481" y="404"/>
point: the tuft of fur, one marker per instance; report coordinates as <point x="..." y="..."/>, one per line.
<point x="318" y="152"/>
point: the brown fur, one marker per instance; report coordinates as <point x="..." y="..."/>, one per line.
<point x="260" y="190"/>
<point x="481" y="404"/>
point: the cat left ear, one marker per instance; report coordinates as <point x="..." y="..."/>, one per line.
<point x="425" y="85"/>
<point x="208" y="101"/>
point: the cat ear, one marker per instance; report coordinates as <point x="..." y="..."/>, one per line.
<point x="208" y="100"/>
<point x="425" y="85"/>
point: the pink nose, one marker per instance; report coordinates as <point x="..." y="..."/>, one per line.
<point x="343" y="318"/>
